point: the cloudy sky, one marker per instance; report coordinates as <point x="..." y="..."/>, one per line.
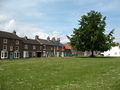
<point x="54" y="18"/>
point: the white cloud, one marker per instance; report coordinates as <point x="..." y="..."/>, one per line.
<point x="10" y="25"/>
<point x="55" y="34"/>
<point x="3" y="17"/>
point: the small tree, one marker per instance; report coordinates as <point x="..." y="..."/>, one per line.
<point x="90" y="35"/>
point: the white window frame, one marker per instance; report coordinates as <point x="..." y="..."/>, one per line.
<point x="44" y="53"/>
<point x="5" y="48"/>
<point x="3" y="54"/>
<point x="34" y="54"/>
<point x="16" y="54"/>
<point x="41" y="47"/>
<point x="11" y="48"/>
<point x="17" y="42"/>
<point x="34" y="47"/>
<point x="17" y="48"/>
<point x="25" y="54"/>
<point x="5" y="40"/>
<point x="26" y="46"/>
<point x="44" y="47"/>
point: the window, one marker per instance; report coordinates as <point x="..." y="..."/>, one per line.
<point x="40" y="47"/>
<point x="51" y="48"/>
<point x="17" y="48"/>
<point x="25" y="54"/>
<point x="44" y="47"/>
<point x="16" y="54"/>
<point x="115" y="53"/>
<point x="11" y="48"/>
<point x="57" y="48"/>
<point x="4" y="40"/>
<point x="4" y="54"/>
<point x="4" y="47"/>
<point x="25" y="46"/>
<point x="34" y="47"/>
<point x="44" y="53"/>
<point x="34" y="54"/>
<point x="17" y="42"/>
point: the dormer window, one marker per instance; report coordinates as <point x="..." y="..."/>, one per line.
<point x="4" y="40"/>
<point x="17" y="42"/>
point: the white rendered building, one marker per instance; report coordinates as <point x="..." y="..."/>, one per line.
<point x="114" y="51"/>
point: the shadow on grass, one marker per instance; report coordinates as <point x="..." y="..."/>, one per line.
<point x="95" y="57"/>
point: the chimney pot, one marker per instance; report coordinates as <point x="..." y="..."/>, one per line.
<point x="48" y="38"/>
<point x="14" y="32"/>
<point x="26" y="38"/>
<point x="53" y="39"/>
<point x="36" y="37"/>
<point x="58" y="39"/>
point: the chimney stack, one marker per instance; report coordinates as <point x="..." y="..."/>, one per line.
<point x="26" y="38"/>
<point x="48" y="38"/>
<point x="14" y="32"/>
<point x="36" y="37"/>
<point x="53" y="39"/>
<point x="58" y="39"/>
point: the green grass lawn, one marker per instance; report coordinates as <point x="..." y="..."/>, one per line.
<point x="70" y="73"/>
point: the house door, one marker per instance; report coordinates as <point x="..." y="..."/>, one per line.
<point x="39" y="54"/>
<point x="11" y="55"/>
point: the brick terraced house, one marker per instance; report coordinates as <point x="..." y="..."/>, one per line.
<point x="51" y="48"/>
<point x="31" y="48"/>
<point x="10" y="45"/>
<point x="13" y="46"/>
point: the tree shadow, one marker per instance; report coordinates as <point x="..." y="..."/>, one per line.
<point x="94" y="57"/>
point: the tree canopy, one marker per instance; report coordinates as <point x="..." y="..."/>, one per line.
<point x="90" y="36"/>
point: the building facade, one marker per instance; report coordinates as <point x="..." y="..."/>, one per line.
<point x="114" y="52"/>
<point x="10" y="45"/>
<point x="70" y="51"/>
<point x="31" y="48"/>
<point x="13" y="46"/>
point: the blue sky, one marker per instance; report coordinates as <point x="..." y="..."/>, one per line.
<point x="54" y="18"/>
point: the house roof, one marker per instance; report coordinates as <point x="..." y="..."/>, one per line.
<point x="30" y="41"/>
<point x="67" y="46"/>
<point x="44" y="42"/>
<point x="49" y="42"/>
<point x="56" y="43"/>
<point x="9" y="35"/>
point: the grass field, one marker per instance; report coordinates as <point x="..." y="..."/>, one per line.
<point x="69" y="73"/>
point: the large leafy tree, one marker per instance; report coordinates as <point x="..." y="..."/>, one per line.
<point x="90" y="36"/>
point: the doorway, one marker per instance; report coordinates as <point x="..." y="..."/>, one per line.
<point x="11" y="55"/>
<point x="39" y="54"/>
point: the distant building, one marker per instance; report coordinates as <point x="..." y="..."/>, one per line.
<point x="114" y="51"/>
<point x="70" y="51"/>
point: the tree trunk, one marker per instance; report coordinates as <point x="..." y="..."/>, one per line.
<point x="92" y="55"/>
